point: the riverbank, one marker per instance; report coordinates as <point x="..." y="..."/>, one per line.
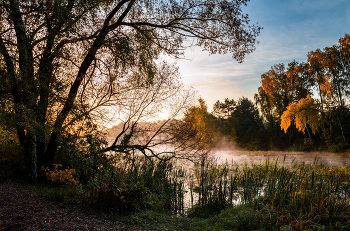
<point x="21" y="209"/>
<point x="262" y="196"/>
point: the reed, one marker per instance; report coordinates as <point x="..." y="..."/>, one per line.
<point x="307" y="195"/>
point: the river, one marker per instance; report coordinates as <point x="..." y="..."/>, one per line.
<point x="324" y="158"/>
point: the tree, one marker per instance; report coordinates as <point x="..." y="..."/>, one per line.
<point x="308" y="112"/>
<point x="246" y="124"/>
<point x="142" y="127"/>
<point x="240" y="122"/>
<point x="305" y="112"/>
<point x="281" y="86"/>
<point x="224" y="110"/>
<point x="195" y="133"/>
<point x="63" y="60"/>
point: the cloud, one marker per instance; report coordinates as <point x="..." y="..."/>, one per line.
<point x="213" y="83"/>
<point x="227" y="82"/>
<point x="291" y="29"/>
<point x="253" y="79"/>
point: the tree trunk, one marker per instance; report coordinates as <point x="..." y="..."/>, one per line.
<point x="31" y="157"/>
<point x="341" y="128"/>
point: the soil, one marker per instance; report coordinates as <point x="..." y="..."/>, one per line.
<point x="21" y="209"/>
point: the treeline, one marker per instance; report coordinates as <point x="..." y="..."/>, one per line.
<point x="299" y="106"/>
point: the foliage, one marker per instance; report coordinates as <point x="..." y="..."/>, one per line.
<point x="65" y="63"/>
<point x="282" y="86"/>
<point x="247" y="218"/>
<point x="12" y="163"/>
<point x="313" y="94"/>
<point x="116" y="183"/>
<point x="241" y="122"/>
<point x="195" y="133"/>
<point x="304" y="112"/>
<point x="224" y="109"/>
<point x="65" y="176"/>
<point x="273" y="195"/>
<point x="268" y="196"/>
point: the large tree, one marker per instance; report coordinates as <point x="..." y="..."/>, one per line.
<point x="61" y="60"/>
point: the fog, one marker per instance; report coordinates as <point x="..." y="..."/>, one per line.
<point x="241" y="156"/>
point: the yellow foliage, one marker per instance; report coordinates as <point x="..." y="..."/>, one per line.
<point x="326" y="86"/>
<point x="64" y="176"/>
<point x="304" y="112"/>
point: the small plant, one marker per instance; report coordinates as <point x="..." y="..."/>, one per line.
<point x="65" y="176"/>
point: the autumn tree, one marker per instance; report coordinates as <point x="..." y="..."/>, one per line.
<point x="63" y="60"/>
<point x="327" y="71"/>
<point x="195" y="133"/>
<point x="281" y="86"/>
<point x="318" y="76"/>
<point x="304" y="113"/>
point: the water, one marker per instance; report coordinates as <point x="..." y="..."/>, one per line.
<point x="285" y="158"/>
<point x="324" y="158"/>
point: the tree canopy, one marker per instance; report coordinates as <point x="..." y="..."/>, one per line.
<point x="314" y="95"/>
<point x="63" y="61"/>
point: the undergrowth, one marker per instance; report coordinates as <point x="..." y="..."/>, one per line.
<point x="207" y="196"/>
<point x="268" y="196"/>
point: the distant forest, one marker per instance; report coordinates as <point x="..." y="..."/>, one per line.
<point x="299" y="106"/>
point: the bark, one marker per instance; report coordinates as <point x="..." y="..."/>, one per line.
<point x="69" y="103"/>
<point x="341" y="128"/>
<point x="31" y="157"/>
<point x="28" y="97"/>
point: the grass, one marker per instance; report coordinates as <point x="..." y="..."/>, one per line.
<point x="258" y="196"/>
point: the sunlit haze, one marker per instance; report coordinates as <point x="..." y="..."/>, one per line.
<point x="291" y="30"/>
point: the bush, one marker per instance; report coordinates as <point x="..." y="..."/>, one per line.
<point x="12" y="162"/>
<point x="118" y="182"/>
<point x="340" y="147"/>
<point x="207" y="210"/>
<point x="246" y="217"/>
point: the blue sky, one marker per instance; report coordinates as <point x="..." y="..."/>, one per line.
<point x="291" y="29"/>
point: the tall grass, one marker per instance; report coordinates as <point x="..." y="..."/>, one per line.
<point x="138" y="183"/>
<point x="301" y="194"/>
<point x="270" y="195"/>
<point x="117" y="185"/>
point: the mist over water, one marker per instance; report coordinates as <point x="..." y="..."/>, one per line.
<point x="323" y="158"/>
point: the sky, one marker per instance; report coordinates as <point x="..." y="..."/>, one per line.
<point x="290" y="30"/>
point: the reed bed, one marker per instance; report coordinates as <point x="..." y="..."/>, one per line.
<point x="304" y="195"/>
<point x="269" y="195"/>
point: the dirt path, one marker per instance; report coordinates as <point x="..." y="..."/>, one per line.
<point x="22" y="210"/>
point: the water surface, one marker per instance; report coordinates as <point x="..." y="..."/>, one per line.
<point x="324" y="158"/>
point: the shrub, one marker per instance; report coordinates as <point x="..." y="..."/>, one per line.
<point x="246" y="217"/>
<point x="65" y="176"/>
<point x="12" y="162"/>
<point x="118" y="182"/>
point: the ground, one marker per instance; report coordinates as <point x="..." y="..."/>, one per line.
<point x="21" y="209"/>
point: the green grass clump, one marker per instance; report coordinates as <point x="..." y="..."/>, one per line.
<point x="247" y="217"/>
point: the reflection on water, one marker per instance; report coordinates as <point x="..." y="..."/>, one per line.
<point x="324" y="158"/>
